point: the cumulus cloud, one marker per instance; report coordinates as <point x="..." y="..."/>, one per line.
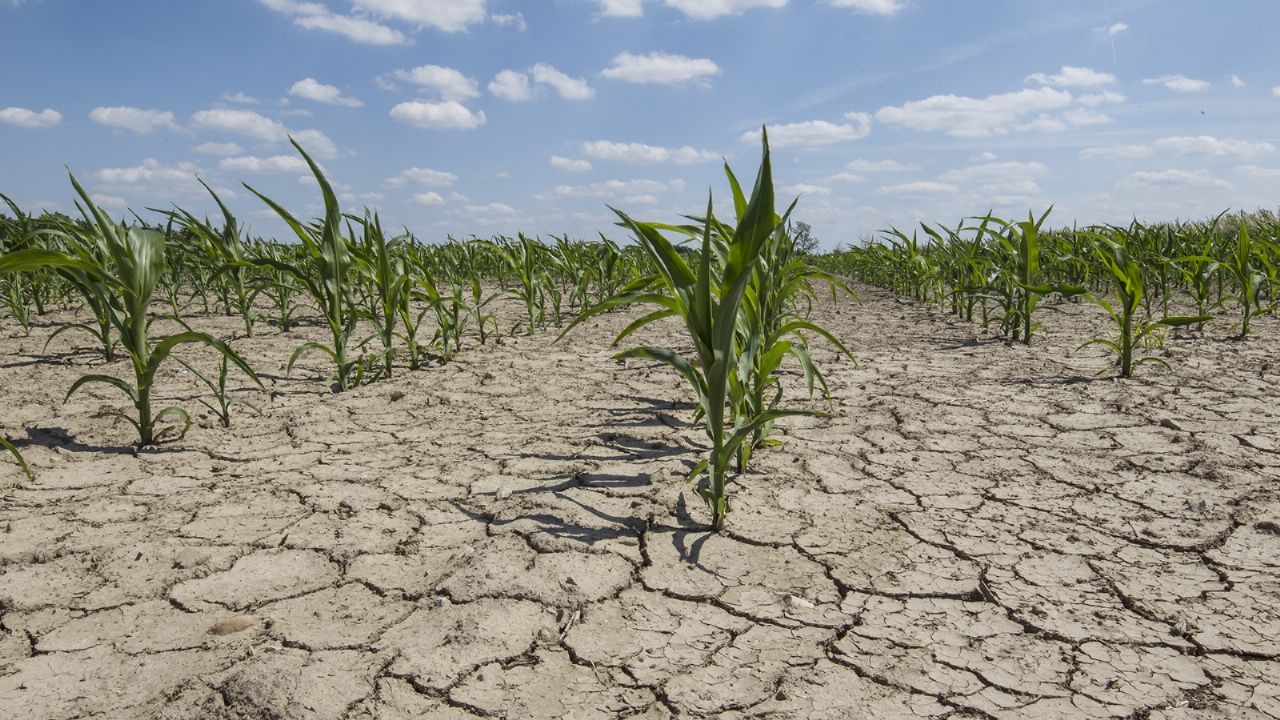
<point x="1179" y="83"/>
<point x="804" y="189"/>
<point x="312" y="89"/>
<point x="427" y="198"/>
<point x="239" y="98"/>
<point x="248" y="123"/>
<point x="215" y="148"/>
<point x="135" y="120"/>
<point x="512" y="20"/>
<point x="316" y="16"/>
<point x="569" y="88"/>
<point x="963" y="116"/>
<point x="511" y="85"/>
<point x="422" y="176"/>
<point x="569" y="164"/>
<point x="880" y="166"/>
<point x="447" y="115"/>
<point x="996" y="171"/>
<point x="151" y="177"/>
<point x="621" y="8"/>
<point x="451" y="84"/>
<point x="1174" y="179"/>
<point x="920" y="187"/>
<point x="694" y="9"/>
<point x="1117" y="152"/>
<point x="273" y="164"/>
<point x="22" y="117"/>
<point x="872" y="7"/>
<point x="618" y="188"/>
<point x="1208" y="145"/>
<point x="451" y="16"/>
<point x="659" y="68"/>
<point x="814" y="133"/>
<point x="1236" y="81"/>
<point x="1070" y="76"/>
<point x="641" y="154"/>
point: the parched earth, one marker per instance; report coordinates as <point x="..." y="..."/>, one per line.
<point x="983" y="531"/>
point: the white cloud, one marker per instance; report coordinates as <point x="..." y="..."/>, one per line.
<point x="240" y="98"/>
<point x="1079" y="117"/>
<point x="316" y="143"/>
<point x="1174" y="179"/>
<point x="962" y="116"/>
<point x="315" y="16"/>
<point x="1208" y="145"/>
<point x="814" y="133"/>
<point x="149" y="176"/>
<point x="640" y="200"/>
<point x="996" y="171"/>
<point x="1112" y="30"/>
<point x="1070" y="76"/>
<point x="275" y="163"/>
<point x="422" y="176"/>
<point x="710" y="9"/>
<point x="213" y="148"/>
<point x="1117" y="152"/>
<point x="659" y="68"/>
<point x="427" y="198"/>
<point x="494" y="208"/>
<point x="1236" y="81"/>
<point x="1179" y="83"/>
<point x="921" y="187"/>
<point x="1258" y="171"/>
<point x="111" y="202"/>
<point x="846" y="177"/>
<point x="617" y="188"/>
<point x="251" y="124"/>
<point x="136" y="120"/>
<point x="25" y="118"/>
<point x="1104" y="97"/>
<point x="240" y="122"/>
<point x="1275" y="92"/>
<point x="872" y="7"/>
<point x="804" y="189"/>
<point x="641" y="154"/>
<point x="875" y="166"/>
<point x="312" y="89"/>
<point x="511" y="85"/>
<point x="569" y="164"/>
<point x="447" y="115"/>
<point x="513" y="20"/>
<point x="621" y="8"/>
<point x="570" y="88"/>
<point x="448" y="15"/>
<point x="450" y="83"/>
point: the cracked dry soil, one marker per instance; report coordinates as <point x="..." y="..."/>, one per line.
<point x="984" y="531"/>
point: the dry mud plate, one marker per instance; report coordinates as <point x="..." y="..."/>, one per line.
<point x="983" y="531"/>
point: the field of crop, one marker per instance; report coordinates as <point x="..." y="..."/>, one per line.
<point x="991" y="471"/>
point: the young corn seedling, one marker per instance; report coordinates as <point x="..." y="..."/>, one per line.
<point x="708" y="300"/>
<point x="1127" y="275"/>
<point x="126" y="279"/>
<point x="324" y="271"/>
<point x="224" y="251"/>
<point x="223" y="400"/>
<point x="1241" y="265"/>
<point x="5" y="444"/>
<point x="382" y="266"/>
<point x="1021" y="244"/>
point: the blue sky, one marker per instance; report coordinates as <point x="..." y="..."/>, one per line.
<point x="492" y="116"/>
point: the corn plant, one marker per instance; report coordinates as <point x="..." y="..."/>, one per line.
<point x="708" y="299"/>
<point x="17" y="456"/>
<point x="381" y="265"/>
<point x="224" y="251"/>
<point x="126" y="279"/>
<point x="324" y="271"/>
<point x="1126" y="273"/>
<point x="1026" y="285"/>
<point x="223" y="400"/>
<point x="1241" y="265"/>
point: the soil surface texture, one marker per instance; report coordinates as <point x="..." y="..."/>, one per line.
<point x="982" y="531"/>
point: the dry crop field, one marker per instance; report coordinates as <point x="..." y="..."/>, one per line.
<point x="440" y="492"/>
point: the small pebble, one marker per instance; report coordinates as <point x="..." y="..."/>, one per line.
<point x="795" y="601"/>
<point x="504" y="493"/>
<point x="349" y="506"/>
<point x="442" y="602"/>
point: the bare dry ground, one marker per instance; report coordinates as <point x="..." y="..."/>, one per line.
<point x="984" y="531"/>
